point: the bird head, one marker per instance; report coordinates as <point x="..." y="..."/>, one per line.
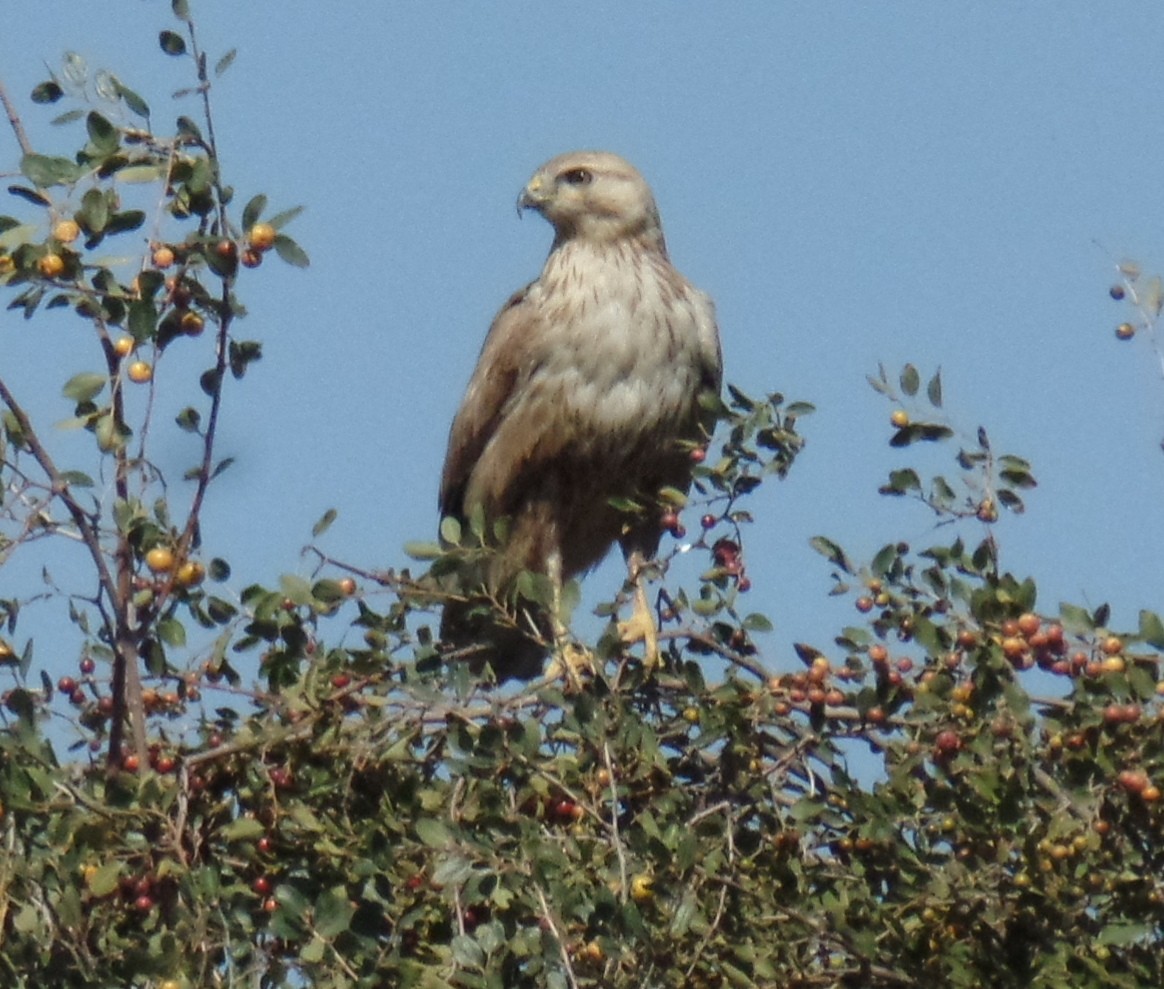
<point x="596" y="196"/>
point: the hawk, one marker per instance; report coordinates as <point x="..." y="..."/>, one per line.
<point x="592" y="386"/>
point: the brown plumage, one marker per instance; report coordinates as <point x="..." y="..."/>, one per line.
<point x="586" y="388"/>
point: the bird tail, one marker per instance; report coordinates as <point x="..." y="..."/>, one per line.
<point x="479" y="632"/>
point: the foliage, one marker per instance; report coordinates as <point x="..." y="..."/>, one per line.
<point x="959" y="789"/>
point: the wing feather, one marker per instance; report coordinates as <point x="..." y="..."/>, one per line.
<point x="503" y="363"/>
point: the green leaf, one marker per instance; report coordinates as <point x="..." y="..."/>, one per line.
<point x="136" y="104"/>
<point x="333" y="912"/>
<point x="433" y="833"/>
<point x="45" y="170"/>
<point x="172" y="43"/>
<point x="143" y="319"/>
<point x="324" y="523"/>
<point x="934" y="389"/>
<point x="757" y="622"/>
<point x="181" y="9"/>
<point x="76" y="479"/>
<point x="910" y="380"/>
<point x="901" y="482"/>
<point x="830" y="550"/>
<point x="47" y="92"/>
<point x="102" y="134"/>
<point x="94" y="212"/>
<point x="1121" y="934"/>
<point x="253" y="210"/>
<point x="280" y="220"/>
<point x="172" y="632"/>
<point x="420" y="550"/>
<point x="243" y="829"/>
<point x="84" y="387"/>
<point x="128" y="220"/>
<point x="1076" y="619"/>
<point x="467" y="952"/>
<point x="314" y="950"/>
<point x="139" y="174"/>
<point x="1152" y="629"/>
<point x="36" y="198"/>
<point x="291" y="252"/>
<point x="225" y="62"/>
<point x="450" y="531"/>
<point x="296" y="588"/>
<point x="105" y="880"/>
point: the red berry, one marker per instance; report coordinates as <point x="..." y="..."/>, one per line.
<point x="88" y="665"/>
<point x="698" y="455"/>
<point x="66" y="685"/>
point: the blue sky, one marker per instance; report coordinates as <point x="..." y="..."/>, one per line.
<point x="949" y="184"/>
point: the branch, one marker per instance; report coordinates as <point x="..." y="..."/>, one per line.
<point x="14" y="120"/>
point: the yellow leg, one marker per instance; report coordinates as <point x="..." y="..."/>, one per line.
<point x="640" y="627"/>
<point x="569" y="658"/>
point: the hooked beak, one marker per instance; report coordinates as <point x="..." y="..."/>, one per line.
<point x="534" y="195"/>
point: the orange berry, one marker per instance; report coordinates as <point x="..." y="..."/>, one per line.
<point x="140" y="372"/>
<point x="189" y="574"/>
<point x="1114" y="664"/>
<point x="160" y="559"/>
<point x="66" y="231"/>
<point x="1029" y="624"/>
<point x="899" y="418"/>
<point x="163" y="256"/>
<point x="123" y="346"/>
<point x="262" y="236"/>
<point x="51" y="265"/>
<point x="191" y="323"/>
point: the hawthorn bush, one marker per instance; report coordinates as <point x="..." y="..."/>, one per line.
<point x="959" y="789"/>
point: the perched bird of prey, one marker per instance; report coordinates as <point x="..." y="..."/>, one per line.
<point x="587" y="389"/>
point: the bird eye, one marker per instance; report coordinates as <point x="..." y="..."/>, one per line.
<point x="578" y="176"/>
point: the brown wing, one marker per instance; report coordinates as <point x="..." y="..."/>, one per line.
<point x="507" y="360"/>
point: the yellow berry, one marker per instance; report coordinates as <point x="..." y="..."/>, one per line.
<point x="190" y="574"/>
<point x="66" y="231"/>
<point x="51" y="265"/>
<point x="140" y="372"/>
<point x="191" y="323"/>
<point x="262" y="236"/>
<point x="642" y="888"/>
<point x="900" y="418"/>
<point x="160" y="559"/>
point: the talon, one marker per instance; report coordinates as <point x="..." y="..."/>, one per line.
<point x="573" y="663"/>
<point x="640" y="627"/>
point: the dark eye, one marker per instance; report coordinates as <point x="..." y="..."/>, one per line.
<point x="578" y="176"/>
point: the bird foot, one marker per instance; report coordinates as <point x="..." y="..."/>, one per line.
<point x="573" y="663"/>
<point x="640" y="627"/>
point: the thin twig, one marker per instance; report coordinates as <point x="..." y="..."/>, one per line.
<point x="14" y="120"/>
<point x="547" y="916"/>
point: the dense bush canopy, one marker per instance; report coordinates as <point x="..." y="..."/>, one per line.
<point x="958" y="789"/>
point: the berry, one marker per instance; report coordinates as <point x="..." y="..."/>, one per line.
<point x="262" y="236"/>
<point x="140" y="372"/>
<point x="66" y="231"/>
